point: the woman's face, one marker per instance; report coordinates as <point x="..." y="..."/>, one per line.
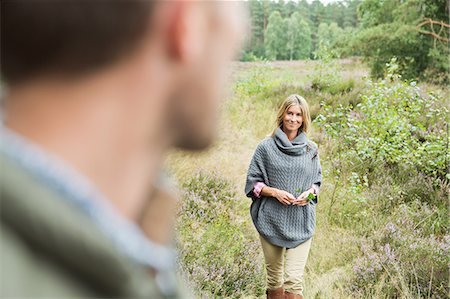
<point x="293" y="118"/>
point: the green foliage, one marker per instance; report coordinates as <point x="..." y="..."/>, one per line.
<point x="288" y="38"/>
<point x="275" y="37"/>
<point x="375" y="12"/>
<point x="214" y="252"/>
<point x="384" y="29"/>
<point x="298" y="37"/>
<point x="438" y="69"/>
<point x="390" y="28"/>
<point x="328" y="34"/>
<point x="390" y="159"/>
<point x="259" y="14"/>
<point x="258" y="81"/>
<point x="379" y="44"/>
<point x="392" y="149"/>
<point x="344" y="42"/>
<point x="394" y="125"/>
<point x="250" y="56"/>
<point x="296" y="34"/>
<point x="326" y="74"/>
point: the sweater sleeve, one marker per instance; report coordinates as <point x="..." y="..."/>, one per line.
<point x="256" y="172"/>
<point x="316" y="188"/>
<point x="258" y="188"/>
<point x="318" y="177"/>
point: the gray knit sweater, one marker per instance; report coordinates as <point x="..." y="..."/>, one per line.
<point x="292" y="166"/>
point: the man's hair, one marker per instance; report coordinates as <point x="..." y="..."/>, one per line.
<point x="68" y="37"/>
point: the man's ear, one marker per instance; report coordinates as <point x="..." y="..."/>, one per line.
<point x="187" y="31"/>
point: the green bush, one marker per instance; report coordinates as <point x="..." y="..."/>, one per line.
<point x="395" y="125"/>
<point x="249" y="56"/>
<point x="397" y="28"/>
<point x="258" y="80"/>
<point x="326" y="76"/>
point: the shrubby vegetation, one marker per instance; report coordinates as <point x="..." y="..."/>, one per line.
<point x="393" y="146"/>
<point x="394" y="125"/>
<point x="324" y="78"/>
<point x="402" y="259"/>
<point x="214" y="253"/>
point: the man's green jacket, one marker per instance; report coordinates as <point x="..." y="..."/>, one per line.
<point x="50" y="249"/>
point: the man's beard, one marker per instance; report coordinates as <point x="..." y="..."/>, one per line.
<point x="193" y="144"/>
<point x="190" y="131"/>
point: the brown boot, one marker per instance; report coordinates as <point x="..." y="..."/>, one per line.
<point x="293" y="296"/>
<point x="275" y="294"/>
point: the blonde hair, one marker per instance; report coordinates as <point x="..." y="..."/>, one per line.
<point x="294" y="99"/>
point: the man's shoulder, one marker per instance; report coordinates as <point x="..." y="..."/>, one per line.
<point x="37" y="238"/>
<point x="27" y="272"/>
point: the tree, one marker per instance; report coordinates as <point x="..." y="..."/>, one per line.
<point x="314" y="13"/>
<point x="304" y="9"/>
<point x="259" y="14"/>
<point x="327" y="35"/>
<point x="299" y="37"/>
<point x="304" y="41"/>
<point x="350" y="14"/>
<point x="275" y="37"/>
<point x="397" y="28"/>
<point x="375" y="12"/>
<point x="317" y="17"/>
<point x="343" y="42"/>
<point x="292" y="34"/>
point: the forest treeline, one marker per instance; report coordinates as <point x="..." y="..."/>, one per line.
<point x="416" y="32"/>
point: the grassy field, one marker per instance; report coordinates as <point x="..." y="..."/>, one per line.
<point x="365" y="246"/>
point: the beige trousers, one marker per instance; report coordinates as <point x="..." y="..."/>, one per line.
<point x="285" y="267"/>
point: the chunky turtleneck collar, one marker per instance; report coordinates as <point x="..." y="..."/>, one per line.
<point x="295" y="147"/>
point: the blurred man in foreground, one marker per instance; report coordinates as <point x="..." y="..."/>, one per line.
<point x="95" y="93"/>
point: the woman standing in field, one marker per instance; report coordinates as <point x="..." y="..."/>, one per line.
<point x="283" y="181"/>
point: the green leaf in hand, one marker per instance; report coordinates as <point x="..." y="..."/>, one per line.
<point x="310" y="197"/>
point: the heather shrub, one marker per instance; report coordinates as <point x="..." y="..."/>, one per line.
<point x="215" y="254"/>
<point x="402" y="260"/>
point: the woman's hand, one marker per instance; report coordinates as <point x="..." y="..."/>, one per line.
<point x="284" y="197"/>
<point x="301" y="200"/>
